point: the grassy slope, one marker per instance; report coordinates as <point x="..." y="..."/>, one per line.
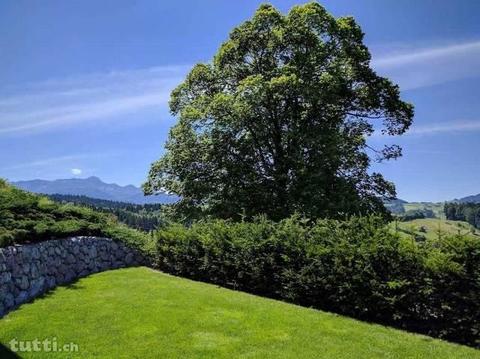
<point x="433" y="225"/>
<point x="140" y="313"/>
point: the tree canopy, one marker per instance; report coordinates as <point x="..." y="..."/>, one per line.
<point x="278" y="122"/>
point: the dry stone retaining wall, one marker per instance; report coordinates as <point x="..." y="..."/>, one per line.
<point x="27" y="271"/>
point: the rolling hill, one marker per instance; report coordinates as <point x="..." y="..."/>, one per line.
<point x="432" y="228"/>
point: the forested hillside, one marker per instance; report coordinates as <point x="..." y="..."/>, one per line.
<point x="470" y="199"/>
<point x="468" y="212"/>
<point x="146" y="217"/>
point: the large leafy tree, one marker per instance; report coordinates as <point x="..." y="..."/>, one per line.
<point x="278" y="122"/>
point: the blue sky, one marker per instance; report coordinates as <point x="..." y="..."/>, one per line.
<point x="84" y="85"/>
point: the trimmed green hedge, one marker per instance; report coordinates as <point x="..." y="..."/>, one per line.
<point x="26" y="218"/>
<point x="356" y="267"/>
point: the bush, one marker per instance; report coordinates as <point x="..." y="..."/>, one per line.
<point x="356" y="267"/>
<point x="27" y="218"/>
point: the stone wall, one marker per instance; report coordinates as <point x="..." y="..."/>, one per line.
<point x="28" y="271"/>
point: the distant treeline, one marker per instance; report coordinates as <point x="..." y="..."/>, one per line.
<point x="412" y="214"/>
<point x="468" y="212"/>
<point x="145" y="217"/>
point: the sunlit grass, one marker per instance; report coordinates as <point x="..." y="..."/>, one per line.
<point x="141" y="313"/>
<point x="433" y="228"/>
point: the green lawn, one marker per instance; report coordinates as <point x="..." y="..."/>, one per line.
<point x="433" y="226"/>
<point x="141" y="313"/>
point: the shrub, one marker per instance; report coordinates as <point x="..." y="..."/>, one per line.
<point x="356" y="267"/>
<point x="27" y="217"/>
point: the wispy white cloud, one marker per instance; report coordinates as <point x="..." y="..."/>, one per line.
<point x="421" y="67"/>
<point x="75" y="100"/>
<point x="88" y="111"/>
<point x="449" y="127"/>
<point x="76" y="171"/>
<point x="50" y="161"/>
<point x="421" y="55"/>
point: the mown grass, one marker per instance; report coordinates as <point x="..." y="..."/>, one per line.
<point x="141" y="313"/>
<point x="433" y="228"/>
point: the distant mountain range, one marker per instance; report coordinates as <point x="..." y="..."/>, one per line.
<point x="94" y="187"/>
<point x="474" y="199"/>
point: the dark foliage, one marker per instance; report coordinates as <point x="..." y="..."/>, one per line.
<point x="468" y="212"/>
<point x="277" y="123"/>
<point x="417" y="214"/>
<point x="356" y="267"/>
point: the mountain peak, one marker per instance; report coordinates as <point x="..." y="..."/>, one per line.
<point x="93" y="179"/>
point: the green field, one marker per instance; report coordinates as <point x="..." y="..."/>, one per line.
<point x="141" y="313"/>
<point x="432" y="228"/>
